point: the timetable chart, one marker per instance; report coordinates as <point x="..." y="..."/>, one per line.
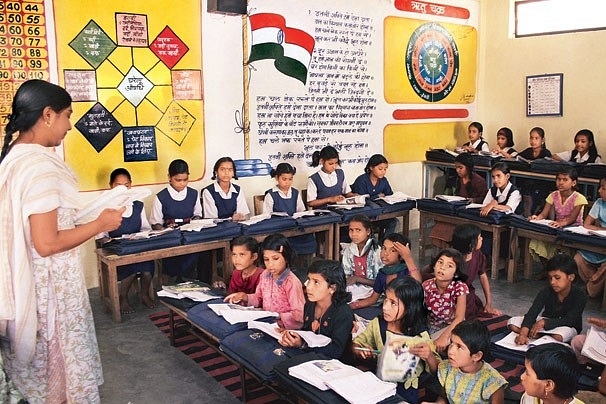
<point x="23" y="49"/>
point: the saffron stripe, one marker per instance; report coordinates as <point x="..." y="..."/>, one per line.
<point x="407" y="114"/>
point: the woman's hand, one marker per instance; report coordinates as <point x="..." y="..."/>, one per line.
<point x="403" y="250"/>
<point x="337" y="198"/>
<point x="598" y="322"/>
<point x="491" y="310"/>
<point x="422" y="350"/>
<point x="363" y="352"/>
<point x="521" y="339"/>
<point x="110" y="219"/>
<point x="486" y="209"/>
<point x="442" y="342"/>
<point x="536" y="328"/>
<point x="238" y="297"/>
<point x="238" y="217"/>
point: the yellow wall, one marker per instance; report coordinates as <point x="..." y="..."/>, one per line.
<point x="505" y="62"/>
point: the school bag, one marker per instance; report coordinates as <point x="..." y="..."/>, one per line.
<point x="549" y="166"/>
<point x="440" y="155"/>
<point x="124" y="246"/>
<point x="521" y="222"/>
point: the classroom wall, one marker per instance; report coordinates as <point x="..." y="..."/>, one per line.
<point x="505" y="62"/>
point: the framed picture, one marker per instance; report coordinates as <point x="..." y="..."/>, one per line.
<point x="544" y="95"/>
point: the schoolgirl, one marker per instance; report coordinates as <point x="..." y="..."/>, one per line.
<point x="223" y="199"/>
<point x="327" y="185"/>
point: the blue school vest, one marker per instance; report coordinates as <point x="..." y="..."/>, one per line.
<point x="172" y="209"/>
<point x="323" y="191"/>
<point x="493" y="192"/>
<point x="284" y="205"/>
<point x="479" y="146"/>
<point x="130" y="224"/>
<point x="225" y="207"/>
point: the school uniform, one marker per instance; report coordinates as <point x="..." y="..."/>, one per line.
<point x="172" y="206"/>
<point x="362" y="185"/>
<point x="527" y="154"/>
<point x="575" y="156"/>
<point x="221" y="205"/>
<point x="510" y="196"/>
<point x="479" y="145"/>
<point x="323" y="185"/>
<point x="511" y="151"/>
<point x="133" y="223"/>
<point x="291" y="202"/>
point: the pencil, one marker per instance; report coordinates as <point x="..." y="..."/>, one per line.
<point x="375" y="351"/>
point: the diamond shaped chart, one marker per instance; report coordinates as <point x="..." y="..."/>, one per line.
<point x="93" y="44"/>
<point x="135" y="86"/>
<point x="176" y="123"/>
<point x="98" y="126"/>
<point x="168" y="47"/>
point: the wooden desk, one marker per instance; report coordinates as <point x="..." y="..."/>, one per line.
<point x="108" y="263"/>
<point x="327" y="230"/>
<point x="519" y="240"/>
<point x="495" y="229"/>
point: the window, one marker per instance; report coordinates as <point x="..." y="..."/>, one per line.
<point x="544" y="17"/>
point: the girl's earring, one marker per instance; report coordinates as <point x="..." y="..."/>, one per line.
<point x="48" y="124"/>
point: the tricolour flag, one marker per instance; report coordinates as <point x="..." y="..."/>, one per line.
<point x="290" y="48"/>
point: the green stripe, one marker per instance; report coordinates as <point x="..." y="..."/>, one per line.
<point x="266" y="50"/>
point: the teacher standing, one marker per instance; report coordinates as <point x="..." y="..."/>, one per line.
<point x="51" y="354"/>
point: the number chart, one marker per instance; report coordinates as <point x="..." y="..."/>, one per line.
<point x="23" y="49"/>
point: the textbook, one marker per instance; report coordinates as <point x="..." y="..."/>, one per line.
<point x="186" y="287"/>
<point x="357" y="201"/>
<point x="363" y="388"/>
<point x="359" y="292"/>
<point x="319" y="372"/>
<point x="314" y="212"/>
<point x="595" y="345"/>
<point x="509" y="342"/>
<point x="312" y="339"/>
<point x="397" y="197"/>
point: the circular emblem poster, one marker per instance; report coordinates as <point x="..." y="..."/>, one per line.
<point x="432" y="62"/>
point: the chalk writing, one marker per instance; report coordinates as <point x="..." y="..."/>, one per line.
<point x="139" y="143"/>
<point x="132" y="30"/>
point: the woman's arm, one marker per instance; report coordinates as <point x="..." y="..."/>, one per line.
<point x="570" y="219"/>
<point x="544" y="213"/>
<point x="404" y="251"/>
<point x="498" y="397"/>
<point x="49" y="240"/>
<point x="369" y="301"/>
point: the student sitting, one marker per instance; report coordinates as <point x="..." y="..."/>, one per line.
<point x="585" y="150"/>
<point x="326" y="310"/>
<point x="503" y="195"/>
<point x="327" y="185"/>
<point x="505" y="143"/>
<point x="476" y="141"/>
<point x="223" y="199"/>
<point x="244" y="257"/>
<point x="397" y="263"/>
<point x="559" y="305"/>
<point x="362" y="257"/>
<point x="465" y="376"/>
<point x="537" y="149"/>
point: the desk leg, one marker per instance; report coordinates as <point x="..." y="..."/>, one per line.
<point x="406" y="223"/>
<point x="496" y="248"/>
<point x="335" y="245"/>
<point x="527" y="259"/>
<point x="114" y="299"/>
<point x="604" y="299"/>
<point x="329" y="237"/>
<point x="421" y="235"/>
<point x="512" y="264"/>
<point x="171" y="327"/>
<point x="227" y="264"/>
<point x="243" y="382"/>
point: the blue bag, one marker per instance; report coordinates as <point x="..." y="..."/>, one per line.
<point x="212" y="323"/>
<point x="319" y="217"/>
<point x="494" y="217"/>
<point x="272" y="225"/>
<point x="223" y="230"/>
<point x="439" y="206"/>
<point x="396" y="207"/>
<point x="371" y="209"/>
<point x="125" y="246"/>
<point x="521" y="222"/>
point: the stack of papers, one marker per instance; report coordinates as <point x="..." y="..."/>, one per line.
<point x="357" y="201"/>
<point x="352" y="384"/>
<point x="191" y="290"/>
<point x="360" y="324"/>
<point x="312" y="339"/>
<point x="198" y="224"/>
<point x="313" y="212"/>
<point x="359" y="292"/>
<point x="585" y="231"/>
<point x="451" y="198"/>
<point x="544" y="222"/>
<point x="397" y="197"/>
<point x="474" y="206"/>
<point x="256" y="219"/>
<point x="234" y="313"/>
<point x="319" y="372"/>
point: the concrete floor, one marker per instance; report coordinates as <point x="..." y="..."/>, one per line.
<point x="140" y="366"/>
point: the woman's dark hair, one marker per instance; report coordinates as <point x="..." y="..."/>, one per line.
<point x="556" y="362"/>
<point x="505" y="131"/>
<point x="410" y="292"/>
<point x="466" y="160"/>
<point x="571" y="172"/>
<point x="278" y="242"/>
<point x="593" y="150"/>
<point x="374" y="161"/>
<point x="177" y="167"/>
<point x="500" y="166"/>
<point x="541" y="133"/>
<point x="219" y="162"/>
<point x="327" y="153"/>
<point x="367" y="224"/>
<point x="282" y="168"/>
<point x="475" y="335"/>
<point x="118" y="171"/>
<point x="245" y="241"/>
<point x="478" y="126"/>
<point x="332" y="272"/>
<point x="457" y="257"/>
<point x="465" y="238"/>
<point x="565" y="263"/>
<point x="28" y="105"/>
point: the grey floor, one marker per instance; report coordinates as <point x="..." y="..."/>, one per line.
<point x="140" y="366"/>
